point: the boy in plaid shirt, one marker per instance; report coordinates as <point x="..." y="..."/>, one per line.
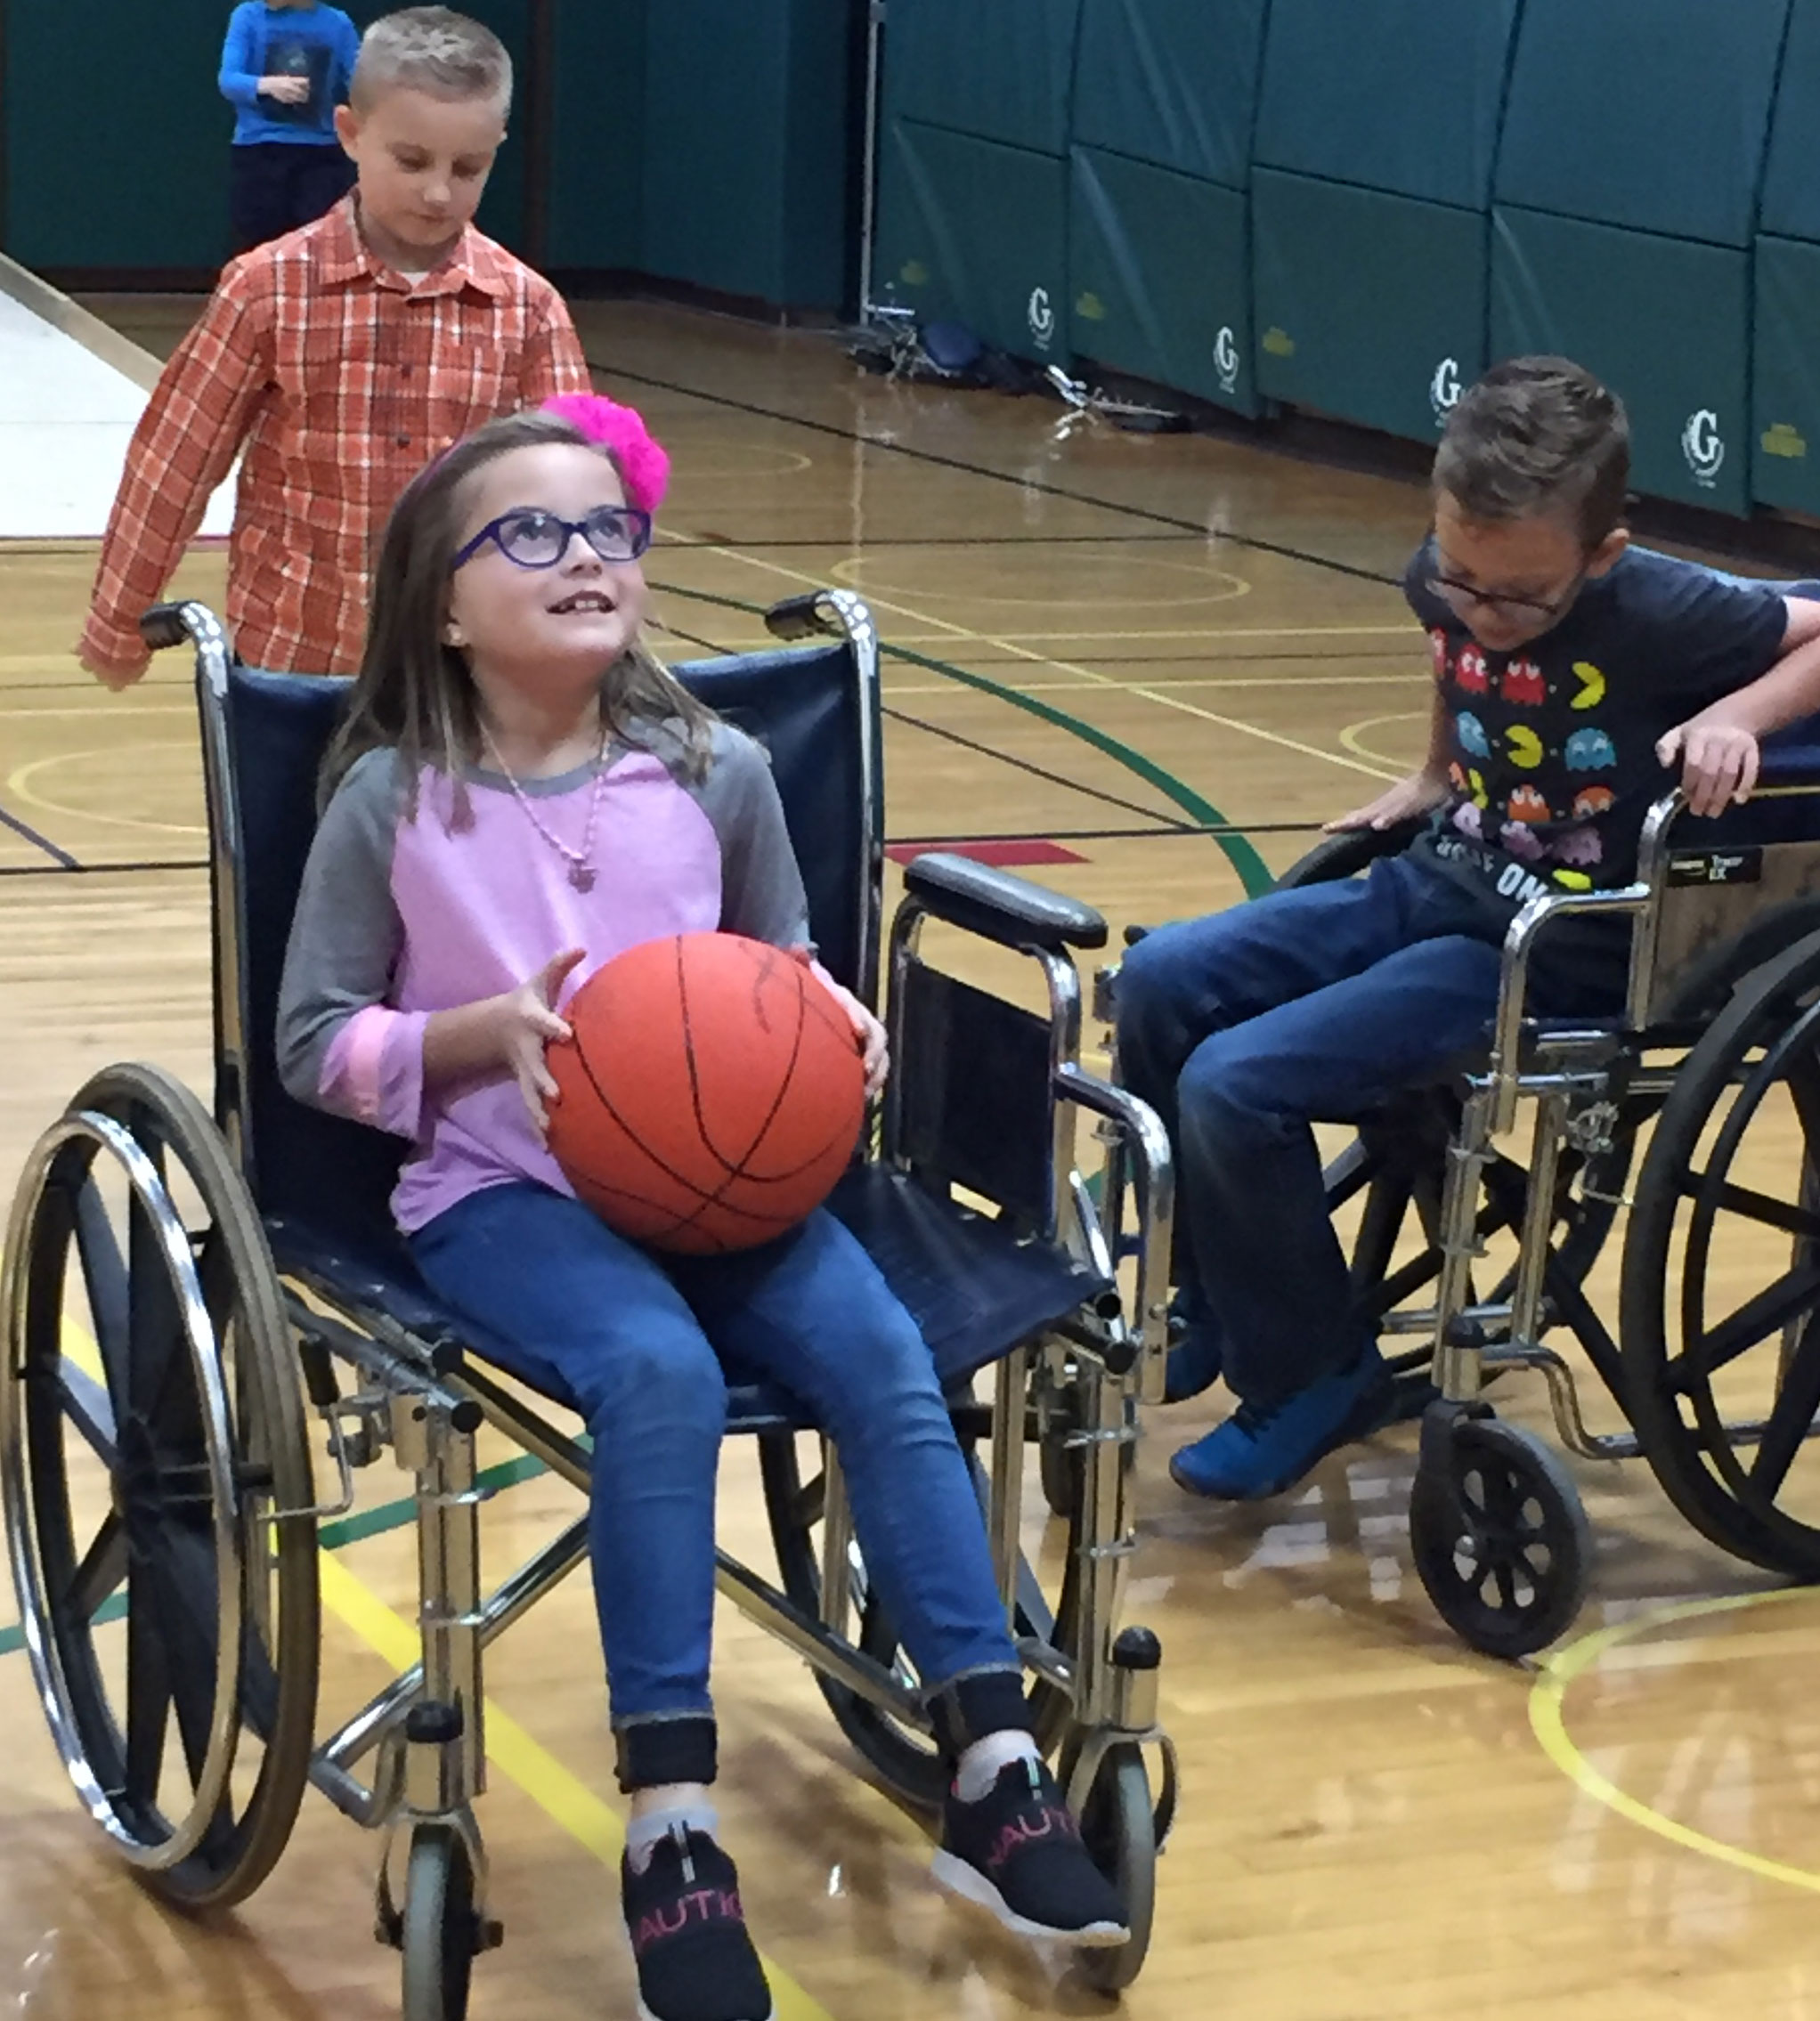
<point x="340" y="360"/>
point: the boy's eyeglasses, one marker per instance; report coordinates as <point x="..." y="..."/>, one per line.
<point x="534" y="539"/>
<point x="1451" y="590"/>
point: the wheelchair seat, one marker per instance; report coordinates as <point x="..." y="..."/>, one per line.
<point x="324" y="1183"/>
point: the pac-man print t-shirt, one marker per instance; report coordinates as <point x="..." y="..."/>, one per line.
<point x="1552" y="760"/>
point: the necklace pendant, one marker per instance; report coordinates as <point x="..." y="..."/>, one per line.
<point x="582" y="877"/>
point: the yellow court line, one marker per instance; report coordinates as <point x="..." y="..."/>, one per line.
<point x="1548" y="1723"/>
<point x="1353" y="736"/>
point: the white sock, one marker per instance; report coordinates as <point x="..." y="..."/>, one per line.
<point x="645" y="1834"/>
<point x="978" y="1767"/>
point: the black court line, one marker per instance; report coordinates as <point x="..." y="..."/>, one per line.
<point x="1170" y="832"/>
<point x="1166" y="824"/>
<point x="25" y="830"/>
<point x="1116" y="506"/>
<point x="70" y="867"/>
<point x="712" y="536"/>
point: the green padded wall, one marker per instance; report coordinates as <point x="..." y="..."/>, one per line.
<point x="1791" y="188"/>
<point x="1001" y="268"/>
<point x="1002" y="70"/>
<point x="1786" y="400"/>
<point x="597" y="192"/>
<point x="1648" y="113"/>
<point x="116" y="139"/>
<point x="745" y="148"/>
<point x="1173" y="82"/>
<point x="1369" y="306"/>
<point x="1402" y="95"/>
<point x="1663" y="321"/>
<point x="1159" y="276"/>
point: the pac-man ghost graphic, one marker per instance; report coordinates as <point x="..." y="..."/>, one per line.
<point x="1470" y="671"/>
<point x="1526" y="804"/>
<point x="1470" y="821"/>
<point x="1592" y="800"/>
<point x="1437" y="646"/>
<point x="1471" y="733"/>
<point x="1522" y="841"/>
<point x="1592" y="685"/>
<point x="1524" y="746"/>
<point x="1590" y="751"/>
<point x="1579" y="846"/>
<point x="1523" y="685"/>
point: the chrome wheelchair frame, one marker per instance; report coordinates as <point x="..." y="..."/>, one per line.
<point x="209" y="1350"/>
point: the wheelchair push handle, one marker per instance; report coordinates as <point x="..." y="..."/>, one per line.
<point x="166" y="625"/>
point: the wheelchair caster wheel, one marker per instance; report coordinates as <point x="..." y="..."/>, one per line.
<point x="1118" y="1827"/>
<point x="438" y="1932"/>
<point x="1499" y="1535"/>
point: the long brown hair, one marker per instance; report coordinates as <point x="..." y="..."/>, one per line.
<point x="414" y="692"/>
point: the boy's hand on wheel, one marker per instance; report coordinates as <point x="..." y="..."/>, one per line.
<point x="1409" y="798"/>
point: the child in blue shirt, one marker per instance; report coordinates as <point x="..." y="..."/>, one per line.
<point x="285" y="67"/>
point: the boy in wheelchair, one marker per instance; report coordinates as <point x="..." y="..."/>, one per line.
<point x="1571" y="671"/>
<point x="517" y="792"/>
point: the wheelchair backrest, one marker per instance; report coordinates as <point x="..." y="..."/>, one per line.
<point x="810" y="707"/>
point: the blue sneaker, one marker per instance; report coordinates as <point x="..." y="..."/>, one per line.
<point x="1259" y="1452"/>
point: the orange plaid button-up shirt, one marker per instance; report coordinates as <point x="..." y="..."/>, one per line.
<point x="342" y="379"/>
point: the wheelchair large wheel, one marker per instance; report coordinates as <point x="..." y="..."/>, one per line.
<point x="1118" y="1827"/>
<point x="157" y="1482"/>
<point x="1499" y="1534"/>
<point x="1721" y="1285"/>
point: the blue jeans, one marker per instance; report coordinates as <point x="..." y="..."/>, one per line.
<point x="638" y="1340"/>
<point x="1243" y="1029"/>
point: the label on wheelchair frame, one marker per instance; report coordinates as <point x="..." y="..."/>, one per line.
<point x="1716" y="867"/>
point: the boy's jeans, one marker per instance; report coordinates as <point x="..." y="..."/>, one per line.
<point x="1244" y="1028"/>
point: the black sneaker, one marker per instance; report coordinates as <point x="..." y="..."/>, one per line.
<point x="1018" y="1853"/>
<point x="695" y="1960"/>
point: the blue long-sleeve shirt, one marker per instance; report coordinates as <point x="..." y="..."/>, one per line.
<point x="317" y="42"/>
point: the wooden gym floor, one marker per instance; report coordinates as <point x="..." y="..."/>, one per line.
<point x="1120" y="640"/>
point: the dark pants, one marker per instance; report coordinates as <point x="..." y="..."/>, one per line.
<point x="1242" y="1030"/>
<point x="275" y="186"/>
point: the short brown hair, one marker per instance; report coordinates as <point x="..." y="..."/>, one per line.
<point x="1537" y="435"/>
<point x="434" y="50"/>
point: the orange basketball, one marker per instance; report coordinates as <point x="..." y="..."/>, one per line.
<point x="711" y="1095"/>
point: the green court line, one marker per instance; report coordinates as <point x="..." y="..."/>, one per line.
<point x="1255" y="875"/>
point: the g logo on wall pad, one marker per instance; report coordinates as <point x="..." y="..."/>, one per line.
<point x="1703" y="447"/>
<point x="1444" y="389"/>
<point x="1041" y="317"/>
<point x="1226" y="359"/>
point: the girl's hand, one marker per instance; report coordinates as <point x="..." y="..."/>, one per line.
<point x="867" y="1028"/>
<point x="1417" y="795"/>
<point x="524" y="1024"/>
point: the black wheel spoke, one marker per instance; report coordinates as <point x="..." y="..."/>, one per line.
<point x="148" y="1691"/>
<point x="183" y="1566"/>
<point x="102" y="1569"/>
<point x="90" y="1410"/>
<point x="104" y="1278"/>
<point x="1749" y="1204"/>
<point x="1790" y="1419"/>
<point x="1791" y="1297"/>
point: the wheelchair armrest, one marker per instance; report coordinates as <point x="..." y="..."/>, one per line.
<point x="997" y="907"/>
<point x="1792" y="756"/>
<point x="1344" y="854"/>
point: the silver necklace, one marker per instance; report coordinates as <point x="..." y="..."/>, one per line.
<point x="579" y="861"/>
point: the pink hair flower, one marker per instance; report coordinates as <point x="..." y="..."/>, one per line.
<point x="643" y="463"/>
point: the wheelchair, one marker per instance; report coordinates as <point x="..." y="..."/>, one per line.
<point x="185" y="1293"/>
<point x="1697" y="1110"/>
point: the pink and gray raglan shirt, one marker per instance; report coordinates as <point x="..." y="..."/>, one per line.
<point x="401" y="915"/>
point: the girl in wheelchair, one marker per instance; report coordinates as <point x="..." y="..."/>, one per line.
<point x="518" y="793"/>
